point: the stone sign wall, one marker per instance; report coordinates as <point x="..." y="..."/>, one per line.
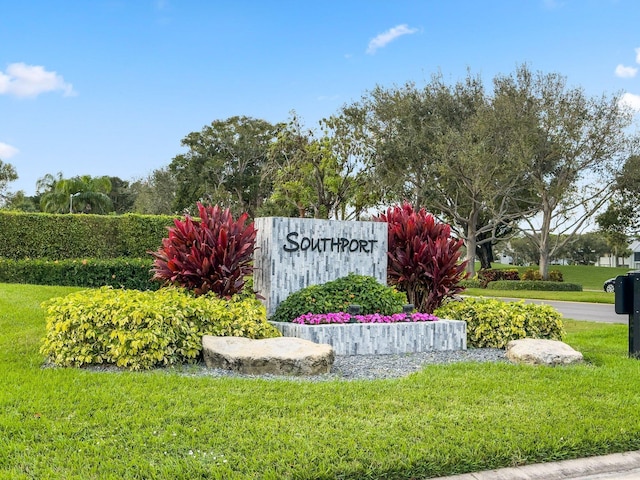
<point x="293" y="253"/>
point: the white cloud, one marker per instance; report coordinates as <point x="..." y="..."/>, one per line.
<point x="21" y="80"/>
<point x="631" y="101"/>
<point x="384" y="38"/>
<point x="637" y="55"/>
<point x="7" y="151"/>
<point x="626" y="72"/>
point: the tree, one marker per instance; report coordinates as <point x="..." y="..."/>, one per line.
<point x="155" y="194"/>
<point x="585" y="249"/>
<point x="45" y="184"/>
<point x="80" y="194"/>
<point x="121" y="195"/>
<point x="8" y="174"/>
<point x="224" y="165"/>
<point x="400" y="126"/>
<point x="449" y="149"/>
<point x="523" y="250"/>
<point x="19" y="201"/>
<point x="319" y="177"/>
<point x="575" y="145"/>
<point x="616" y="225"/>
<point x="621" y="220"/>
<point x="488" y="240"/>
<point x="622" y="217"/>
<point x="628" y="183"/>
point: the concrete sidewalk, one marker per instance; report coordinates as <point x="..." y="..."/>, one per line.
<point x="617" y="466"/>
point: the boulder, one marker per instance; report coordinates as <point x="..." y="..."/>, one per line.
<point x="277" y="356"/>
<point x="535" y="351"/>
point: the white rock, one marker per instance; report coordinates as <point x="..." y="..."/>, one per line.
<point x="535" y="351"/>
<point x="278" y="356"/>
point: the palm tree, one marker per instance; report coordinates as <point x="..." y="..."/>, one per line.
<point x="81" y="194"/>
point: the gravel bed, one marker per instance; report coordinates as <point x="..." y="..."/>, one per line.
<point x="370" y="367"/>
<point x="345" y="367"/>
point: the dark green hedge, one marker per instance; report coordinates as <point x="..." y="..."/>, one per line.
<point x="128" y="273"/>
<point x="59" y="236"/>
<point x="538" y="285"/>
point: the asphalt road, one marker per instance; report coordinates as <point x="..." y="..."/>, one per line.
<point x="594" y="312"/>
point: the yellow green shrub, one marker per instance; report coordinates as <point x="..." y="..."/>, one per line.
<point x="493" y="323"/>
<point x="144" y="329"/>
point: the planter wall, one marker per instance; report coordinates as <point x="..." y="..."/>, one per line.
<point x="382" y="338"/>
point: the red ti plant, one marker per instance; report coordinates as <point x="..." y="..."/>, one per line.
<point x="213" y="254"/>
<point x="423" y="257"/>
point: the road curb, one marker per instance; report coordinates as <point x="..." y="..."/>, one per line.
<point x="582" y="468"/>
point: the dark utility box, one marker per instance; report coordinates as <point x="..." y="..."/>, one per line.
<point x="628" y="301"/>
<point x="624" y="294"/>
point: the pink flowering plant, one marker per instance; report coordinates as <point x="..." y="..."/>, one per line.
<point x="343" y="317"/>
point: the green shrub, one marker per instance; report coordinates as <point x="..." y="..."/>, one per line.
<point x="538" y="285"/>
<point x="493" y="323"/>
<point x="142" y="330"/>
<point x="248" y="290"/>
<point x="65" y="236"/>
<point x="119" y="272"/>
<point x="556" y="276"/>
<point x="471" y="283"/>
<point x="337" y="295"/>
<point x="531" y="274"/>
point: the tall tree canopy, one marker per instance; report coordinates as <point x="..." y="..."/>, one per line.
<point x="621" y="219"/>
<point x="575" y="144"/>
<point x="322" y="177"/>
<point x="448" y="149"/>
<point x="80" y="194"/>
<point x="121" y="195"/>
<point x="155" y="194"/>
<point x="8" y="174"/>
<point x="623" y="212"/>
<point x="532" y="151"/>
<point x="224" y="164"/>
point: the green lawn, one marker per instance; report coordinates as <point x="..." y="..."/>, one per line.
<point x="591" y="278"/>
<point x="80" y="424"/>
<point x="586" y="296"/>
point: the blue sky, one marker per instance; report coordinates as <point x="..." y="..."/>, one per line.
<point x="110" y="87"/>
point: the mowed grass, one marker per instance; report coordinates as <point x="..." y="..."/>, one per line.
<point x="82" y="424"/>
<point x="590" y="277"/>
<point x="585" y="296"/>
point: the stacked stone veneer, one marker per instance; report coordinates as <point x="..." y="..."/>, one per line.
<point x="382" y="338"/>
<point x="293" y="253"/>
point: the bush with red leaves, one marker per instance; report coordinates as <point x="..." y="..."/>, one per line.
<point x="494" y="275"/>
<point x="212" y="254"/>
<point x="423" y="257"/>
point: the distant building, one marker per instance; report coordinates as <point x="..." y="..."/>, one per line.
<point x="505" y="259"/>
<point x="632" y="261"/>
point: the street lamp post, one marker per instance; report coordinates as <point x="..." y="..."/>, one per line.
<point x="71" y="201"/>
